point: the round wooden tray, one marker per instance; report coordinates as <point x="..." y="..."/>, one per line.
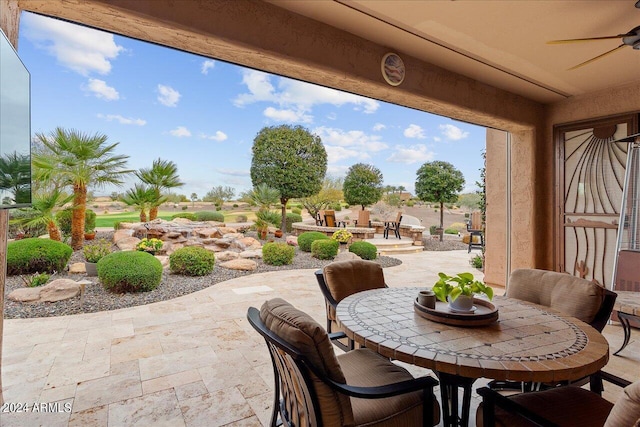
<point x="485" y="313"/>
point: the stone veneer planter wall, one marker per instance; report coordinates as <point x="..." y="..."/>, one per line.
<point x="361" y="233"/>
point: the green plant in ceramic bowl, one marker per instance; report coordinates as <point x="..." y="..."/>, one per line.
<point x="462" y="284"/>
<point x="342" y="236"/>
<point x="149" y="245"/>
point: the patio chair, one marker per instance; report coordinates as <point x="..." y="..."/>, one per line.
<point x="476" y="234"/>
<point x="393" y="226"/>
<point x="330" y="219"/>
<point x="561" y="406"/>
<point x="363" y="218"/>
<point x="314" y="387"/>
<point x="577" y="297"/>
<point x="340" y="279"/>
<point x="320" y="218"/>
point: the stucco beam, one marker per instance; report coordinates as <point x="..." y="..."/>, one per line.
<point x="10" y="19"/>
<point x="260" y="35"/>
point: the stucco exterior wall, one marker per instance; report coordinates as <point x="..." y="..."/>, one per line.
<point x="495" y="268"/>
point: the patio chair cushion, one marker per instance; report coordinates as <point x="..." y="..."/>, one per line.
<point x="365" y="368"/>
<point x="345" y="278"/>
<point x="626" y="411"/>
<point x="564" y="406"/>
<point x="571" y="295"/>
<point x="304" y="333"/>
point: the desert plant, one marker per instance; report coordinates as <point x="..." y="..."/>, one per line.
<point x="325" y="248"/>
<point x="274" y="253"/>
<point x="460" y="226"/>
<point x="186" y="215"/>
<point x="296" y="211"/>
<point x="451" y="231"/>
<point x="433" y="229"/>
<point x="28" y="256"/>
<point x="364" y="250"/>
<point x="270" y="217"/>
<point x="192" y="261"/>
<point x="35" y="280"/>
<point x="209" y="216"/>
<point x="149" y="245"/>
<point x="342" y="236"/>
<point x="306" y="239"/>
<point x="291" y="218"/>
<point x="94" y="252"/>
<point x="476" y="261"/>
<point x="162" y="175"/>
<point x="129" y="271"/>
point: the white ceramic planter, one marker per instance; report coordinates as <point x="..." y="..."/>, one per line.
<point x="462" y="303"/>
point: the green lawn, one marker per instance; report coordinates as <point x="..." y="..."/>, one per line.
<point x="108" y="220"/>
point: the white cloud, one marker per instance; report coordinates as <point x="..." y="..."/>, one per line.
<point x="233" y="172"/>
<point x="437" y="139"/>
<point x="218" y="136"/>
<point x="296" y="96"/>
<point x="336" y="170"/>
<point x="207" y="65"/>
<point x="168" y="96"/>
<point x="287" y="116"/>
<point x="337" y="153"/>
<point x="378" y="127"/>
<point x="414" y="131"/>
<point x="332" y="116"/>
<point x="122" y="120"/>
<point x="452" y="132"/>
<point x="101" y="90"/>
<point x="180" y="132"/>
<point x="81" y="49"/>
<point x="409" y="155"/>
<point x="352" y="139"/>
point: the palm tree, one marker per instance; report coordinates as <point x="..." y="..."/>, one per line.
<point x="141" y="197"/>
<point x="79" y="160"/>
<point x="42" y="212"/>
<point x="15" y="176"/>
<point x="162" y="175"/>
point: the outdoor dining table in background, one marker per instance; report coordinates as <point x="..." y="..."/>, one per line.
<point x="528" y="343"/>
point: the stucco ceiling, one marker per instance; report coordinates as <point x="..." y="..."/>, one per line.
<point x="502" y="43"/>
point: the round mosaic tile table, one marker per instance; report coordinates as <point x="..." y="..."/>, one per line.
<point x="528" y="342"/>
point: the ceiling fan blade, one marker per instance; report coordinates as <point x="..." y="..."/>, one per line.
<point x="588" y="39"/>
<point x="638" y="4"/>
<point x="595" y="58"/>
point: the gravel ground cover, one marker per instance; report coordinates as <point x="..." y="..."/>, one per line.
<point x="172" y="286"/>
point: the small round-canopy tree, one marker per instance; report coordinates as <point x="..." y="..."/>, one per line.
<point x="362" y="185"/>
<point x="289" y="159"/>
<point x="439" y="181"/>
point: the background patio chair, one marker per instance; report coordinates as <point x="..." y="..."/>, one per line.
<point x="314" y="387"/>
<point x="330" y="219"/>
<point x="560" y="406"/>
<point x="320" y="218"/>
<point x="393" y="226"/>
<point x="476" y="234"/>
<point x="574" y="296"/>
<point x="340" y="279"/>
<point x="363" y="220"/>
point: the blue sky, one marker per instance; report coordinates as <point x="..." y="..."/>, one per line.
<point x="203" y="114"/>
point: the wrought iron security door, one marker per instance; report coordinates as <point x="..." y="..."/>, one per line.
<point x="591" y="176"/>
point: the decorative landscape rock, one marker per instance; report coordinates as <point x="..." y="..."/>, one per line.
<point x="121" y="234"/>
<point x="346" y="256"/>
<point x="226" y="255"/>
<point x="292" y="240"/>
<point x="240" y="264"/>
<point x="77" y="268"/>
<point x="128" y="243"/>
<point x="257" y="253"/>
<point x="57" y="290"/>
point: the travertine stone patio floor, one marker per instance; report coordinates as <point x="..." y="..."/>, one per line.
<point x="191" y="361"/>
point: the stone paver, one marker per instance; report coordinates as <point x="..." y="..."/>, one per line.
<point x="191" y="361"/>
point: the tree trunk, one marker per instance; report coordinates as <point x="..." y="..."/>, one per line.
<point x="54" y="232"/>
<point x="153" y="213"/>
<point x="441" y="221"/>
<point x="283" y="224"/>
<point x="143" y="215"/>
<point x="77" y="219"/>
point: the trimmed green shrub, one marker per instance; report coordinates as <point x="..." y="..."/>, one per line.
<point x="184" y="208"/>
<point x="28" y="256"/>
<point x="64" y="220"/>
<point x="187" y="215"/>
<point x="364" y="250"/>
<point x="192" y="261"/>
<point x="291" y="218"/>
<point x="235" y="205"/>
<point x="241" y="218"/>
<point x="325" y="248"/>
<point x="209" y="216"/>
<point x="450" y="231"/>
<point x="410" y="203"/>
<point x="129" y="271"/>
<point x="306" y="239"/>
<point x="296" y="211"/>
<point x="432" y="230"/>
<point x="336" y="207"/>
<point x="275" y="253"/>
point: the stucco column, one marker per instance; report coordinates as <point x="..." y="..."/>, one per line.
<point x="9" y="20"/>
<point x="496" y="223"/>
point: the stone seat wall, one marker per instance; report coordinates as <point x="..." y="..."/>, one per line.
<point x="359" y="233"/>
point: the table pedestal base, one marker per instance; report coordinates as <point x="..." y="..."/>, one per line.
<point x="449" y="385"/>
